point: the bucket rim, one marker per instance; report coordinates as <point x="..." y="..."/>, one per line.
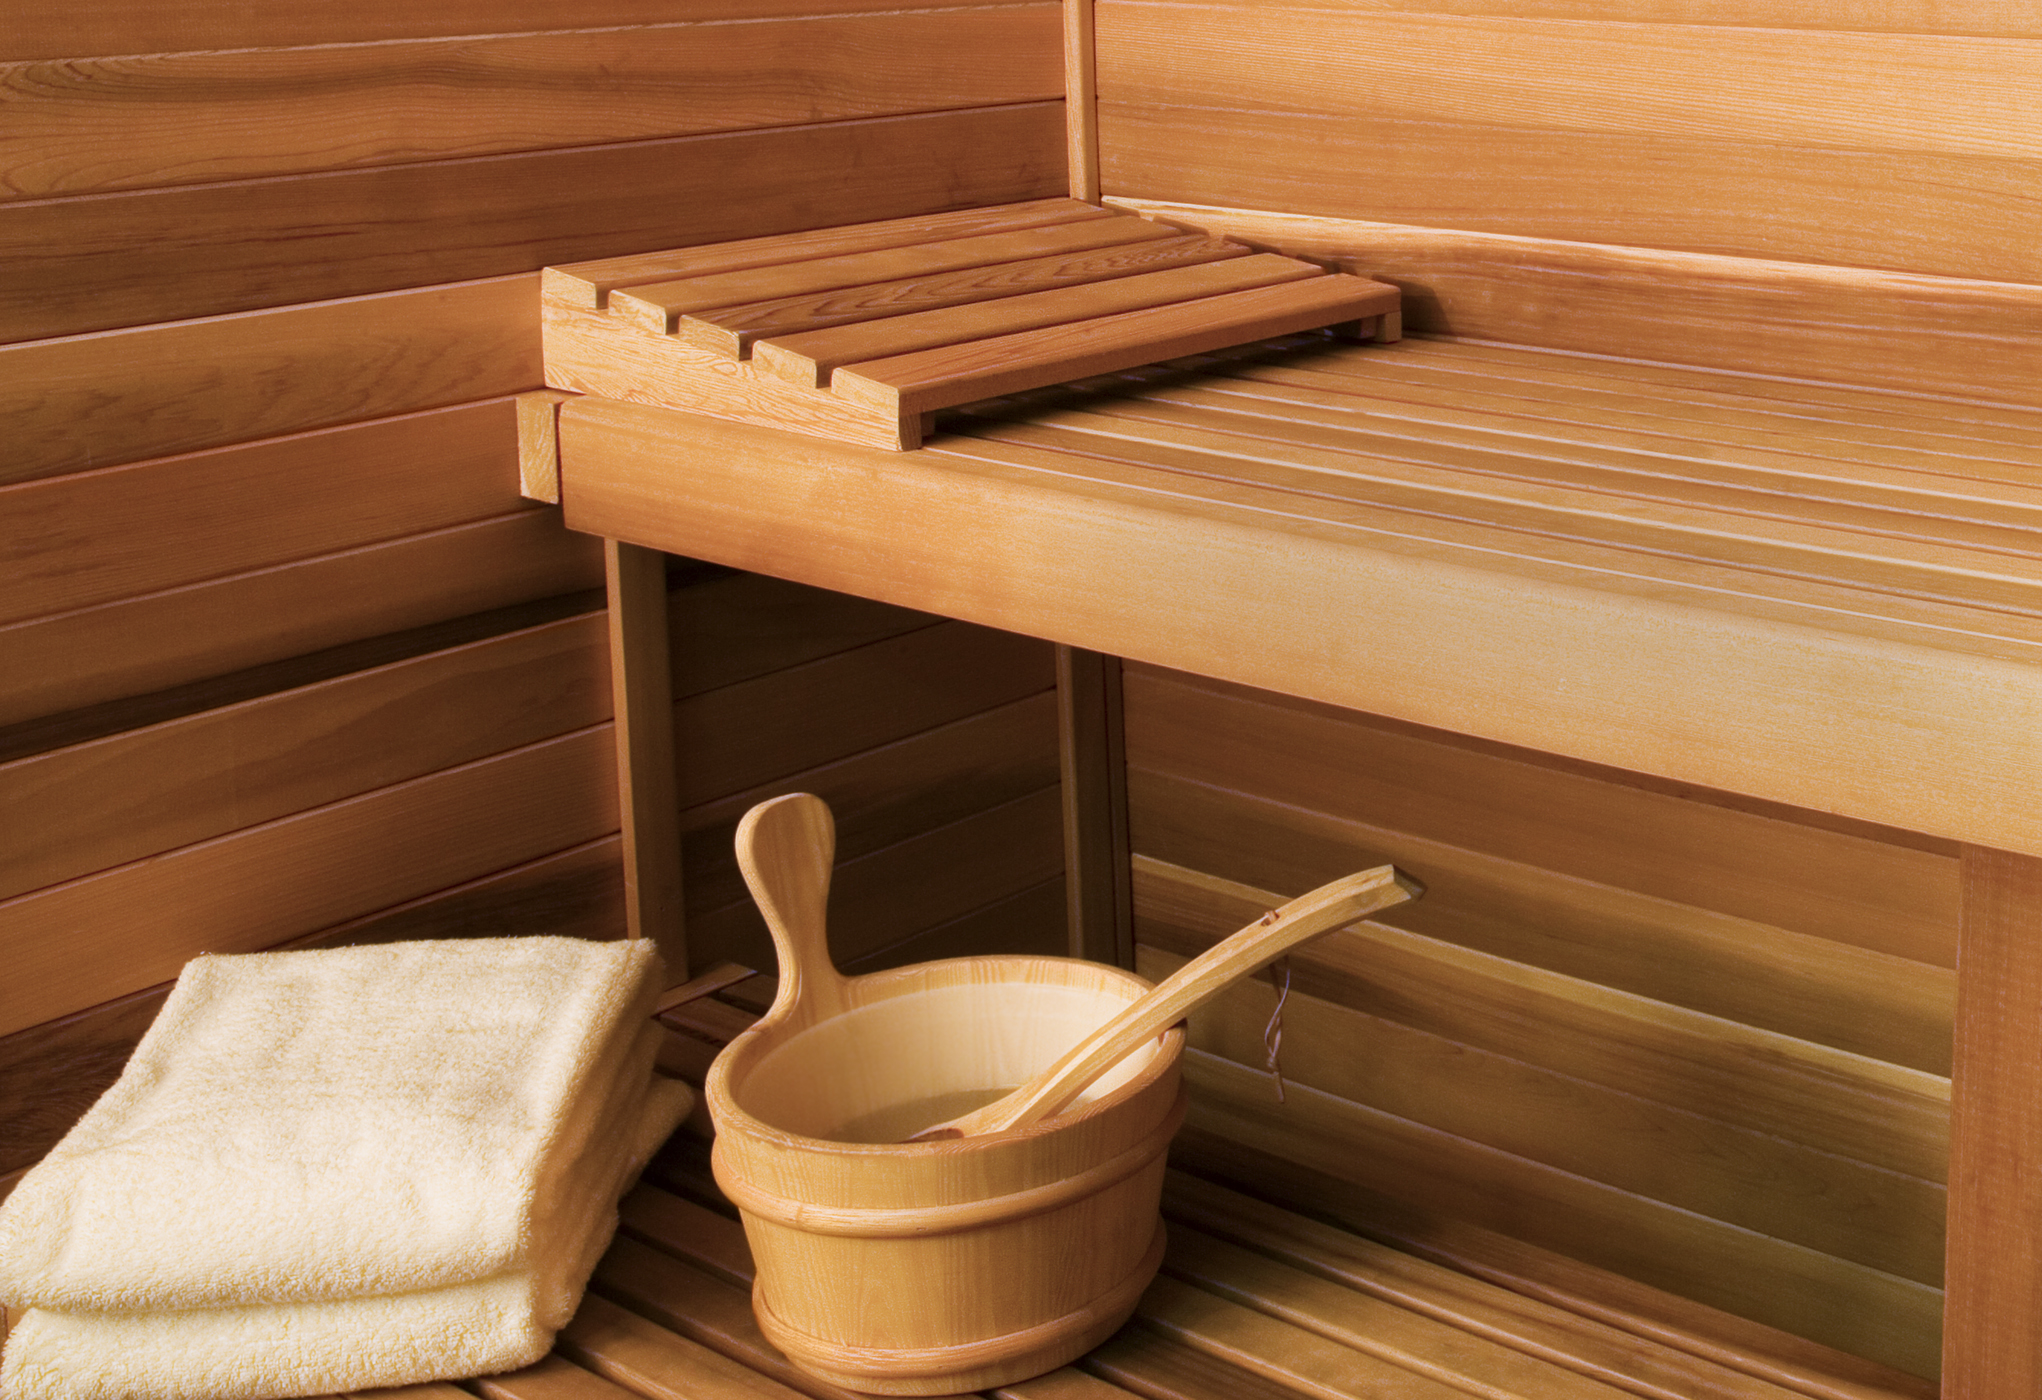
<point x="758" y="1040"/>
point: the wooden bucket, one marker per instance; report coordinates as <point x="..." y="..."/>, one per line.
<point x="935" y="1268"/>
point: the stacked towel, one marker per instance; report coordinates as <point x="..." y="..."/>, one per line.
<point x="338" y="1170"/>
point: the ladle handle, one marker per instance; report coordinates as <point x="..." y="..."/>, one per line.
<point x="786" y="848"/>
<point x="1191" y="986"/>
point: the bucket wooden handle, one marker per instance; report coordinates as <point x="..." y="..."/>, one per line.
<point x="786" y="848"/>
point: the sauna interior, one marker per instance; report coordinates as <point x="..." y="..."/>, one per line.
<point x="1663" y="1059"/>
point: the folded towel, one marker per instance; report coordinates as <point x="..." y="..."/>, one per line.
<point x="298" y="1349"/>
<point x="298" y="1127"/>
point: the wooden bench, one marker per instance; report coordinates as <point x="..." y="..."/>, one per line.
<point x="1817" y="597"/>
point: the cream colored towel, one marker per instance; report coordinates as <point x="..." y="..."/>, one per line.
<point x="295" y="1349"/>
<point x="298" y="1127"/>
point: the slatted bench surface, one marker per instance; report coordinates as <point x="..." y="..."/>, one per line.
<point x="860" y="332"/>
<point x="1255" y="1302"/>
<point x="1824" y="596"/>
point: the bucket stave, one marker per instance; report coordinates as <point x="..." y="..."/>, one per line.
<point x="935" y="1268"/>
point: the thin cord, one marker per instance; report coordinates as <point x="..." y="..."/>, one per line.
<point x="1272" y="1037"/>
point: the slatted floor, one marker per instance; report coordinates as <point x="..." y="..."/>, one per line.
<point x="1256" y="1302"/>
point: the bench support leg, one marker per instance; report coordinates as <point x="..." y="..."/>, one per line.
<point x="1992" y="1324"/>
<point x="1093" y="755"/>
<point x="641" y="687"/>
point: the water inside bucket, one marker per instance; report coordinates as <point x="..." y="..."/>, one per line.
<point x="901" y="1121"/>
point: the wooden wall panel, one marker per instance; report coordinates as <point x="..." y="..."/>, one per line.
<point x="95" y="536"/>
<point x="1719" y="138"/>
<point x="100" y="400"/>
<point x="268" y="580"/>
<point x="202" y="250"/>
<point x="114" y="932"/>
<point x="1605" y="1029"/>
<point x="1885" y="891"/>
<point x="174" y="636"/>
<point x="155" y="789"/>
<point x="1890" y="1320"/>
<point x="155" y="26"/>
<point x="151" y="120"/>
<point x="1887" y="330"/>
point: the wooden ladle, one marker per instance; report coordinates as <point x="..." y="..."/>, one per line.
<point x="1239" y="955"/>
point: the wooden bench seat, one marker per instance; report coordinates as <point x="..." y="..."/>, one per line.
<point x="1808" y="593"/>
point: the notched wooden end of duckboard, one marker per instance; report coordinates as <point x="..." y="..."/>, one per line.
<point x="861" y="334"/>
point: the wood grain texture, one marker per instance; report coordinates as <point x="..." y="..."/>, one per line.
<point x="118" y="931"/>
<point x="732" y="738"/>
<point x="1846" y="1105"/>
<point x="1991" y="1346"/>
<point x="1595" y="1323"/>
<point x="654" y="306"/>
<point x="1029" y="922"/>
<point x="809" y="357"/>
<point x="92" y="125"/>
<point x="587" y="286"/>
<point x="538" y="420"/>
<point x="1092" y="753"/>
<point x="156" y="255"/>
<point x="920" y="884"/>
<point x="1582" y="1290"/>
<point x="93" y="537"/>
<point x="1081" y="110"/>
<point x="588" y="353"/>
<point x="649" y="1360"/>
<point x="736" y="329"/>
<point x="889" y="793"/>
<point x="1890" y="1320"/>
<point x="932" y="379"/>
<point x="1745" y="971"/>
<point x="642" y="707"/>
<point x="1159" y="538"/>
<point x="175" y="636"/>
<point x="1711" y="1165"/>
<point x="1704" y="138"/>
<point x="734" y="627"/>
<point x="100" y="400"/>
<point x="1843" y="325"/>
<point x="142" y="26"/>
<point x="1522" y="807"/>
<point x="155" y="789"/>
<point x="1332" y="1315"/>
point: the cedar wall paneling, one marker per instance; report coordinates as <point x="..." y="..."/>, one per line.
<point x="1702" y="1043"/>
<point x="1766" y="184"/>
<point x="285" y="659"/>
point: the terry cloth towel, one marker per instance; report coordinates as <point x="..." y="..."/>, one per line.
<point x="318" y="1126"/>
<point x="298" y="1349"/>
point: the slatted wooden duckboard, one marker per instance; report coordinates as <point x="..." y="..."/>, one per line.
<point x="861" y="333"/>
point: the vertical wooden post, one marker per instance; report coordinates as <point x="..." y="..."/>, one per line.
<point x="641" y="687"/>
<point x="1081" y="101"/>
<point x="1097" y="884"/>
<point x="1992" y="1318"/>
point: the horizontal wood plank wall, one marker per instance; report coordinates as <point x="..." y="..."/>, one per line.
<point x="1654" y="179"/>
<point x="1701" y="1042"/>
<point x="1762" y="139"/>
<point x="285" y="659"/>
<point x="269" y="822"/>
